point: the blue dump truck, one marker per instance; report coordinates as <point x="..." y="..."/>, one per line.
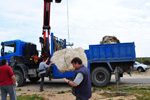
<point x="103" y="59"/>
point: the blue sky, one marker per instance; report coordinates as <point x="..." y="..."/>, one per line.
<point x="89" y="21"/>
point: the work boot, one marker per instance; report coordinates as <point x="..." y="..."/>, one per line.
<point x="41" y="90"/>
<point x="50" y="78"/>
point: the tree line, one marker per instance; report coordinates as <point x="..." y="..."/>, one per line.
<point x="144" y="60"/>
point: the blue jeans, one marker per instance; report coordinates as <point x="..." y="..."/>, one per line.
<point x="8" y="89"/>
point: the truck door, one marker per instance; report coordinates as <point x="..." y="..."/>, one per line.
<point x="7" y="50"/>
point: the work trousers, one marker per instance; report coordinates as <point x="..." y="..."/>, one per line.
<point x="79" y="98"/>
<point x="48" y="73"/>
<point x="8" y="89"/>
<point x="42" y="80"/>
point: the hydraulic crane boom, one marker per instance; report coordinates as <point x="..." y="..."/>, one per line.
<point x="45" y="44"/>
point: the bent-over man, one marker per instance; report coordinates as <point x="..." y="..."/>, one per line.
<point x="44" y="69"/>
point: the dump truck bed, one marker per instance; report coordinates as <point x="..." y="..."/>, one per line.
<point x="117" y="52"/>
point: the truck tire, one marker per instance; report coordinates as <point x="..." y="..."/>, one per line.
<point x="100" y="76"/>
<point x="19" y="77"/>
<point x="34" y="79"/>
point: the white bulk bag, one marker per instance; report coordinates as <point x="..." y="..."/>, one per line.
<point x="62" y="58"/>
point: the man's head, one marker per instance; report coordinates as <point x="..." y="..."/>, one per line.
<point x="4" y="62"/>
<point x="76" y="62"/>
<point x="41" y="59"/>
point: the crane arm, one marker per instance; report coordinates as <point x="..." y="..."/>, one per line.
<point x="45" y="44"/>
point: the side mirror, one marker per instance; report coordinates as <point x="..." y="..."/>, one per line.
<point x="2" y="52"/>
<point x="57" y="1"/>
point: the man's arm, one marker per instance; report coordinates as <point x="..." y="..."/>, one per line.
<point x="78" y="79"/>
<point x="70" y="82"/>
<point x="46" y="64"/>
<point x="13" y="78"/>
<point x="46" y="60"/>
<point x="49" y="65"/>
<point x="11" y="74"/>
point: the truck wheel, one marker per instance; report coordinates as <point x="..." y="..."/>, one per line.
<point x="19" y="78"/>
<point x="100" y="76"/>
<point x="34" y="79"/>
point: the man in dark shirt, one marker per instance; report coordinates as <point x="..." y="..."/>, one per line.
<point x="7" y="80"/>
<point x="81" y="85"/>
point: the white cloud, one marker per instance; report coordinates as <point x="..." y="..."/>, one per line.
<point x="147" y="3"/>
<point x="89" y="21"/>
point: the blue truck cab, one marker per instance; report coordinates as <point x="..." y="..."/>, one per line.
<point x="23" y="57"/>
<point x="103" y="59"/>
<point x="11" y="48"/>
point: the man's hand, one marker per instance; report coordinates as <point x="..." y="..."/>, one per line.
<point x="16" y="84"/>
<point x="49" y="65"/>
<point x="66" y="80"/>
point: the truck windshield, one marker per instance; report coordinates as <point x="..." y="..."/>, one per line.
<point x="9" y="48"/>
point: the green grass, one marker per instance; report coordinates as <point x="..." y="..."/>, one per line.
<point x="19" y="89"/>
<point x="94" y="89"/>
<point x="62" y="92"/>
<point x="135" y="89"/>
<point x="141" y="93"/>
<point x="33" y="97"/>
<point x="108" y="95"/>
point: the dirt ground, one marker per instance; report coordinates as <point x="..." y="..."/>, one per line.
<point x="53" y="90"/>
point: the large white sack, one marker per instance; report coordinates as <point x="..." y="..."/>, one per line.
<point x="62" y="58"/>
